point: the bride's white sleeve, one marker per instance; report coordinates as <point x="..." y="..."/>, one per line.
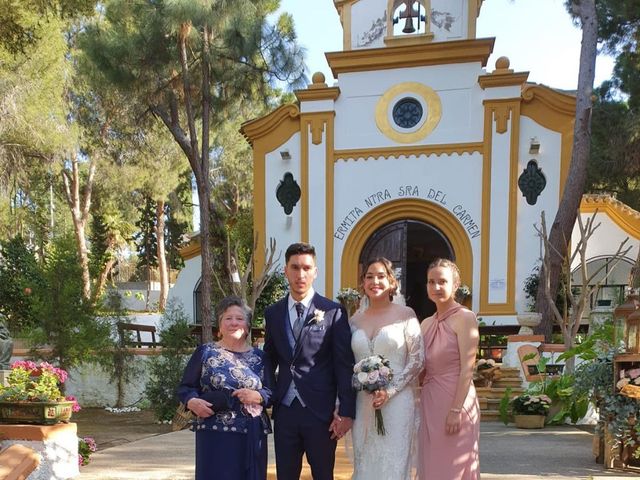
<point x="415" y="357"/>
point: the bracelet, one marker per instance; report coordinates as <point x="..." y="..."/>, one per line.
<point x="456" y="410"/>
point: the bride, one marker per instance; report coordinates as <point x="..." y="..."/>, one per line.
<point x="391" y="330"/>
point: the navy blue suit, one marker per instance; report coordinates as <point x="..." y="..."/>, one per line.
<point x="321" y="366"/>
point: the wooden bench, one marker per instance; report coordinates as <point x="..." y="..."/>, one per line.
<point x="17" y="462"/>
<point x="124" y="328"/>
<point x="529" y="351"/>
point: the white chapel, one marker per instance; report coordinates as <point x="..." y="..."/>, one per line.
<point x="417" y="150"/>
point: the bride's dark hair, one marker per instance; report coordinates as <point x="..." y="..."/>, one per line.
<point x="388" y="268"/>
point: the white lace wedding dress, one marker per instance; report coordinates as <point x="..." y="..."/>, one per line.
<point x="389" y="456"/>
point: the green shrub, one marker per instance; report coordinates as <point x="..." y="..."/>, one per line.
<point x="21" y="279"/>
<point x="65" y="321"/>
<point x="165" y="370"/>
<point x="122" y="365"/>
<point x="274" y="291"/>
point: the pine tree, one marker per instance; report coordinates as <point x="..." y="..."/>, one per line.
<point x="187" y="62"/>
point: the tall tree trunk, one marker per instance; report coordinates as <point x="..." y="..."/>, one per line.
<point x="198" y="158"/>
<point x="560" y="233"/>
<point x="162" y="257"/>
<point x="101" y="280"/>
<point x="79" y="206"/>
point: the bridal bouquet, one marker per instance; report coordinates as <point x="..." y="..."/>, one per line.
<point x="371" y="374"/>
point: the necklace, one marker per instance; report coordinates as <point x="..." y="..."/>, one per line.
<point x="240" y="348"/>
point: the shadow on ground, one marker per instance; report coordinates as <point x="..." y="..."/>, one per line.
<point x="112" y="429"/>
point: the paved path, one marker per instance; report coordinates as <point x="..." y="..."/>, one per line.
<point x="506" y="453"/>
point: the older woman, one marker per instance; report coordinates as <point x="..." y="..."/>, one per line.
<point x="222" y="385"/>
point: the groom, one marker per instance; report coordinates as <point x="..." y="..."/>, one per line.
<point x="308" y="339"/>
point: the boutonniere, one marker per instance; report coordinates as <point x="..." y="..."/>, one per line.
<point x="318" y="316"/>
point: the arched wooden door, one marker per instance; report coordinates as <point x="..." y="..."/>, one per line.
<point x="410" y="245"/>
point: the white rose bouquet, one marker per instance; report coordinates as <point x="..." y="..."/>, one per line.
<point x="371" y="374"/>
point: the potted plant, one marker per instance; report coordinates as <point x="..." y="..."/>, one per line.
<point x="485" y="372"/>
<point x="32" y="395"/>
<point x="530" y="411"/>
<point x="463" y="293"/>
<point x="86" y="446"/>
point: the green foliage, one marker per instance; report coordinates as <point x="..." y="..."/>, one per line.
<point x="179" y="220"/>
<point x="618" y="29"/>
<point x="86" y="446"/>
<point x="531" y="285"/>
<point x="28" y="382"/>
<point x="594" y="378"/>
<point x="20" y="279"/>
<point x="146" y="241"/>
<point x="529" y="404"/>
<point x="165" y="370"/>
<point x="21" y="21"/>
<point x="614" y="163"/>
<point x="274" y="291"/>
<point x="66" y="323"/>
<point x="503" y="409"/>
<point x="621" y="414"/>
<point x="590" y="348"/>
<point x="122" y="365"/>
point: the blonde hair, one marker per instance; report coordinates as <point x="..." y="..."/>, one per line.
<point x="388" y="268"/>
<point x="446" y="263"/>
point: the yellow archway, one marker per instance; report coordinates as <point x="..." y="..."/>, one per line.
<point x="407" y="209"/>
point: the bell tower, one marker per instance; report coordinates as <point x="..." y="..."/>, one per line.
<point x="380" y="23"/>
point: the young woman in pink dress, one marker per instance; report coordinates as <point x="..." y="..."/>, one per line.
<point x="450" y="426"/>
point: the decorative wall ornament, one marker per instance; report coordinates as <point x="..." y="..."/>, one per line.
<point x="288" y="193"/>
<point x="532" y="182"/>
<point x="407" y="112"/>
<point x="502" y="114"/>
<point x="431" y="114"/>
<point x="377" y="30"/>
<point x="442" y="20"/>
<point x="317" y="129"/>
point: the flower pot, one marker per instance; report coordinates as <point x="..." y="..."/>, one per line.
<point x="528" y="321"/>
<point x="41" y="413"/>
<point x="529" y="421"/>
<point x="495" y="354"/>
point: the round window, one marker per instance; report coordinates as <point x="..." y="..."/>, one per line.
<point x="407" y="113"/>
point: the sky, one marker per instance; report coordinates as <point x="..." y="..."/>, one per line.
<point x="538" y="36"/>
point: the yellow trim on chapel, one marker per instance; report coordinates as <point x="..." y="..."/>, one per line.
<point x="191" y="249"/>
<point x="384" y="58"/>
<point x="406" y="209"/>
<point x="312" y="126"/>
<point x="329" y="202"/>
<point x="556" y="111"/>
<point x="306" y="124"/>
<point x="513" y="207"/>
<point x="409" y="150"/>
<point x="344" y="10"/>
<point x="622" y="215"/>
<point x="502" y="110"/>
<point x="265" y="135"/>
<point x="493" y="80"/>
<point x="472" y="17"/>
<point x="430" y="98"/>
<point x="313" y="93"/>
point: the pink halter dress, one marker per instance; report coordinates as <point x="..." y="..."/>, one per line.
<point x="446" y="456"/>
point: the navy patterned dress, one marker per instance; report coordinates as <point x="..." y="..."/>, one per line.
<point x="232" y="443"/>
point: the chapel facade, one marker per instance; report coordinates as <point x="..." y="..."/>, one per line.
<point x="419" y="150"/>
<point x="416" y="152"/>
